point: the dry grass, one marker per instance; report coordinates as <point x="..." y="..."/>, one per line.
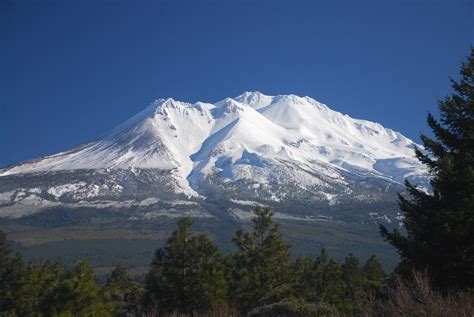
<point x="408" y="298"/>
<point x="417" y="298"/>
<point x="223" y="310"/>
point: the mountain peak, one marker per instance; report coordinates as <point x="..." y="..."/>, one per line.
<point x="268" y="124"/>
<point x="254" y="146"/>
<point x="255" y="99"/>
<point x="168" y="103"/>
<point x="246" y="95"/>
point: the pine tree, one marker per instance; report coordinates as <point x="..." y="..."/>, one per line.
<point x="352" y="277"/>
<point x="4" y="263"/>
<point x="4" y="252"/>
<point x="118" y="279"/>
<point x="11" y="284"/>
<point x="121" y="294"/>
<point x="77" y="294"/>
<point x="331" y="289"/>
<point x="440" y="225"/>
<point x="187" y="274"/>
<point x="320" y="280"/>
<point x="37" y="284"/>
<point x="261" y="266"/>
<point x="307" y="278"/>
<point x="374" y="274"/>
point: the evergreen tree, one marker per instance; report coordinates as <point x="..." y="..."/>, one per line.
<point x="37" y="284"/>
<point x="440" y="225"/>
<point x="4" y="264"/>
<point x="118" y="282"/>
<point x="134" y="297"/>
<point x="77" y="294"/>
<point x="353" y="280"/>
<point x="331" y="289"/>
<point x="121" y="294"/>
<point x="187" y="274"/>
<point x="320" y="281"/>
<point x="374" y="274"/>
<point x="11" y="284"/>
<point x="261" y="266"/>
<point x="4" y="252"/>
<point x="307" y="278"/>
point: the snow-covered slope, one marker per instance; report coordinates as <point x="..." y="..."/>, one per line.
<point x="251" y="147"/>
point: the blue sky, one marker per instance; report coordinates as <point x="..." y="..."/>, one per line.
<point x="72" y="70"/>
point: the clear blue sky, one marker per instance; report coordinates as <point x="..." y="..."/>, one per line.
<point x="70" y="71"/>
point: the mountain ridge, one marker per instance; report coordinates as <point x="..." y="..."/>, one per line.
<point x="251" y="147"/>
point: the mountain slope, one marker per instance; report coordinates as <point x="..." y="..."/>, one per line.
<point x="277" y="150"/>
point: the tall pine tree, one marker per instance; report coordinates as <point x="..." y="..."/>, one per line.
<point x="122" y="295"/>
<point x="4" y="252"/>
<point x="440" y="225"/>
<point x="77" y="294"/>
<point x="187" y="274"/>
<point x="6" y="273"/>
<point x="261" y="271"/>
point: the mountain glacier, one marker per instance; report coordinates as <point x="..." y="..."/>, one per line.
<point x="289" y="152"/>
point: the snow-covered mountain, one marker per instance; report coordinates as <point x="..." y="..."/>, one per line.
<point x="281" y="151"/>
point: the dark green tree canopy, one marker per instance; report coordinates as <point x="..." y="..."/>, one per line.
<point x="119" y="277"/>
<point x="261" y="266"/>
<point x="440" y="225"/>
<point x="4" y="252"/>
<point x="187" y="274"/>
<point x="78" y="294"/>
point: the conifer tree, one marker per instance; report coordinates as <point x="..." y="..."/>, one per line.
<point x="11" y="283"/>
<point x="77" y="294"/>
<point x="187" y="274"/>
<point x="11" y="270"/>
<point x="374" y="274"/>
<point x="38" y="283"/>
<point x="4" y="252"/>
<point x="121" y="294"/>
<point x="440" y="224"/>
<point x="307" y="278"/>
<point x="4" y="264"/>
<point x="319" y="280"/>
<point x="353" y="280"/>
<point x="118" y="280"/>
<point x="331" y="289"/>
<point x="261" y="266"/>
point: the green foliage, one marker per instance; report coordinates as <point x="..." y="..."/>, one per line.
<point x="37" y="287"/>
<point x="122" y="295"/>
<point x="46" y="289"/>
<point x="11" y="283"/>
<point x="440" y="225"/>
<point x="187" y="274"/>
<point x="4" y="264"/>
<point x="307" y="277"/>
<point x="374" y="275"/>
<point x="118" y="278"/>
<point x="353" y="279"/>
<point x="4" y="252"/>
<point x="77" y="294"/>
<point x="260" y="273"/>
<point x="319" y="280"/>
<point x="333" y="287"/>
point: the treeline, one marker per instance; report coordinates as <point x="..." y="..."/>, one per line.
<point x="189" y="275"/>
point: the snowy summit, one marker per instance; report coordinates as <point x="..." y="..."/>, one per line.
<point x="251" y="147"/>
